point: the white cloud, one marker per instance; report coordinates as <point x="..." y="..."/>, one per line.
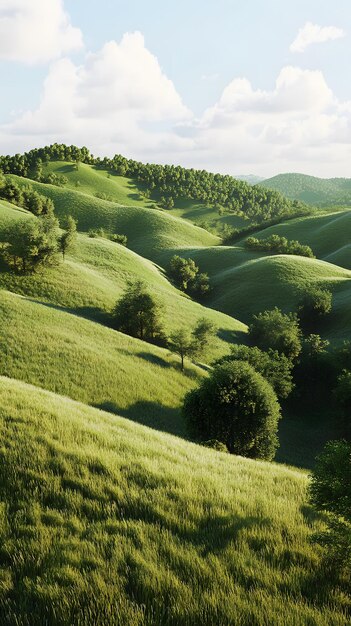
<point x="297" y="126"/>
<point x="120" y="100"/>
<point x="107" y="103"/>
<point x="36" y="31"/>
<point x="313" y="33"/>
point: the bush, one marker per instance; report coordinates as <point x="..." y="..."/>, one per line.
<point x="315" y="304"/>
<point x="278" y="331"/>
<point x="186" y="276"/>
<point x="121" y="239"/>
<point x="238" y="407"/>
<point x="279" y="245"/>
<point x="273" y="366"/>
<point x="215" y="445"/>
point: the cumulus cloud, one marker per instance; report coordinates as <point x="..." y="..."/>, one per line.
<point x="118" y="99"/>
<point x="313" y="33"/>
<point x="36" y="31"/>
<point x="298" y="126"/>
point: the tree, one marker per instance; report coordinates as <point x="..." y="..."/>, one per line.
<point x="315" y="304"/>
<point x="276" y="368"/>
<point x="182" y="271"/>
<point x="202" y="335"/>
<point x="314" y="345"/>
<point x="182" y="344"/>
<point x="200" y="285"/>
<point x="236" y="406"/>
<point x="330" y="491"/>
<point x="138" y="314"/>
<point x="68" y="237"/>
<point x="31" y="243"/>
<point x="276" y="330"/>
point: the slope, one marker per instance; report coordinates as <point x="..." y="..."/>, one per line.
<point x="105" y="522"/>
<point x="91" y="363"/>
<point x="310" y="189"/>
<point x="148" y="231"/>
<point x="93" y="278"/>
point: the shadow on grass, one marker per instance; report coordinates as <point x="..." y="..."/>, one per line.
<point x="154" y="359"/>
<point x="151" y="414"/>
<point x="232" y="336"/>
<point x="91" y="313"/>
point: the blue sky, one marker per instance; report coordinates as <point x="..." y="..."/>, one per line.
<point x="169" y="91"/>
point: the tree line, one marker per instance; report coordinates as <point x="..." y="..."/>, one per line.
<point x="279" y="245"/>
<point x="164" y="183"/>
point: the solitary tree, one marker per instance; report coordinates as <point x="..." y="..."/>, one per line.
<point x="182" y="344"/>
<point x="68" y="237"/>
<point x="238" y="407"/>
<point x="276" y="330"/>
<point x="183" y="271"/>
<point x="202" y="334"/>
<point x="138" y="314"/>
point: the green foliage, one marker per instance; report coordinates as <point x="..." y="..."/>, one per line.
<point x="278" y="331"/>
<point x="93" y="233"/>
<point x="238" y="407"/>
<point x="315" y="305"/>
<point x="182" y="343"/>
<point x="185" y="274"/>
<point x="314" y="345"/>
<point x="202" y="334"/>
<point x="138" y="314"/>
<point x="330" y="491"/>
<point x="215" y="445"/>
<point x="121" y="239"/>
<point x="26" y="197"/>
<point x="279" y="245"/>
<point x="234" y="196"/>
<point x="68" y="239"/>
<point x="29" y="244"/>
<point x="276" y="368"/>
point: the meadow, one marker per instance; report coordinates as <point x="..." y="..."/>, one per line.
<point x="109" y="514"/>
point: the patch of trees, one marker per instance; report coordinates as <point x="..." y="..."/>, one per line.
<point x="187" y="276"/>
<point x="236" y="406"/>
<point x="314" y="306"/>
<point x="93" y="233"/>
<point x="29" y="244"/>
<point x="278" y="331"/>
<point x="165" y="183"/>
<point x="139" y="314"/>
<point x="25" y="197"/>
<point x="279" y="245"/>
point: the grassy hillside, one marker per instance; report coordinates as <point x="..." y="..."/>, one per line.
<point x="93" y="278"/>
<point x="91" y="363"/>
<point x="108" y="523"/>
<point x="310" y="189"/>
<point x="148" y="231"/>
<point x="327" y="233"/>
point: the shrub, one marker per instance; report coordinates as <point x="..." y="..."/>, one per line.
<point x="279" y="245"/>
<point x="121" y="239"/>
<point x="278" y="331"/>
<point x="238" y="407"/>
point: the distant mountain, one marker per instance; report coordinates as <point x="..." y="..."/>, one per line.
<point x="310" y="189"/>
<point x="251" y="179"/>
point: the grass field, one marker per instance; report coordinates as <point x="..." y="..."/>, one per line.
<point x="106" y="522"/>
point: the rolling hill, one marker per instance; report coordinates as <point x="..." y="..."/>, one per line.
<point x="107" y="522"/>
<point x="319" y="191"/>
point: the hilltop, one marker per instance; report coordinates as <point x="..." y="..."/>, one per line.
<point x="325" y="192"/>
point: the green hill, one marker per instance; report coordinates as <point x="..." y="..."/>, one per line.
<point x="64" y="353"/>
<point x="310" y="189"/>
<point x="106" y="522"/>
<point x="94" y="276"/>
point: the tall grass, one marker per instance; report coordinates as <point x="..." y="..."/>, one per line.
<point x="105" y="522"/>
